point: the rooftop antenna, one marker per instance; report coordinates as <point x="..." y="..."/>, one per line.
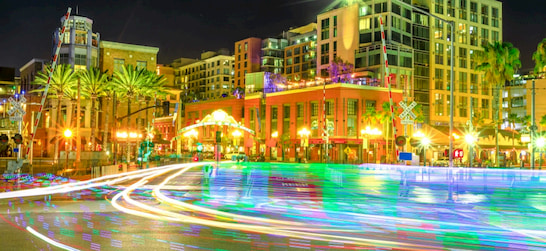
<point x="77" y="10"/>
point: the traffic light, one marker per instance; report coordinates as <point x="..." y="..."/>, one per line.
<point x="4" y="139"/>
<point x="199" y="147"/>
<point x="17" y="138"/>
<point x="166" y="105"/>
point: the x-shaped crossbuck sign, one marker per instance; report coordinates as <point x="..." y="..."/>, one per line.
<point x="17" y="111"/>
<point x="407" y="110"/>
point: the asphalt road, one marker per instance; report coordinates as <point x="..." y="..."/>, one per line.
<point x="262" y="206"/>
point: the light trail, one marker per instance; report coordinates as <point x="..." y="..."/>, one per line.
<point x="50" y="241"/>
<point x="301" y="232"/>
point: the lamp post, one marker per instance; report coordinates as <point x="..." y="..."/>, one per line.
<point x="425" y="143"/>
<point x="367" y="132"/>
<point x="68" y="135"/>
<point x="540" y="142"/>
<point x="274" y="135"/>
<point x="304" y="134"/>
<point x="190" y="135"/>
<point x="470" y="139"/>
<point x="236" y="135"/>
<point x="451" y="63"/>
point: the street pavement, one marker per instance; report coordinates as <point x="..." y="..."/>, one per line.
<point x="275" y="206"/>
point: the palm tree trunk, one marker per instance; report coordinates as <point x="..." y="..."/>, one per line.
<point x="58" y="129"/>
<point x="93" y="98"/>
<point x="106" y="121"/>
<point x="128" y="124"/>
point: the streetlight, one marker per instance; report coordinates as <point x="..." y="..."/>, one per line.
<point x="540" y="142"/>
<point x="275" y="135"/>
<point x="68" y="135"/>
<point x="304" y="134"/>
<point x="369" y="132"/>
<point x="470" y="139"/>
<point x="190" y="135"/>
<point x="425" y="143"/>
<point x="236" y="134"/>
<point x="451" y="63"/>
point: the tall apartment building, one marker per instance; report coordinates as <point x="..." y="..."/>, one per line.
<point x="273" y="54"/>
<point x="247" y="59"/>
<point x="300" y="56"/>
<point x="476" y="23"/>
<point x="418" y="50"/>
<point x="211" y="77"/>
<point x="80" y="45"/>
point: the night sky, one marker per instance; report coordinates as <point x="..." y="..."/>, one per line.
<point x="183" y="28"/>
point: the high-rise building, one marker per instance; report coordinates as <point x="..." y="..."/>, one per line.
<point x="247" y="59"/>
<point x="80" y="45"/>
<point x="418" y="50"/>
<point x="273" y="54"/>
<point x="300" y="55"/>
<point x="211" y="77"/>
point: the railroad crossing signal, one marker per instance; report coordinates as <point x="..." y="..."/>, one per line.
<point x="16" y="112"/>
<point x="407" y="114"/>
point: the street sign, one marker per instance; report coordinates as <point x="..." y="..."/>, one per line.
<point x="15" y="150"/>
<point x="16" y="112"/>
<point x="458" y="153"/>
<point x="405" y="156"/>
<point x="407" y="114"/>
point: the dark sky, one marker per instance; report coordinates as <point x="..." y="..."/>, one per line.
<point x="185" y="28"/>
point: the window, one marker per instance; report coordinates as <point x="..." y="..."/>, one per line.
<point x="463" y="82"/>
<point x="246" y="48"/>
<point x="274" y="112"/>
<point x="364" y="24"/>
<point x="329" y="108"/>
<point x="80" y="59"/>
<point x="485" y="108"/>
<point x="352" y="106"/>
<point x="439" y="6"/>
<point x="462" y="57"/>
<point x="438" y="79"/>
<point x="473" y="83"/>
<point x="463" y="106"/>
<point x="141" y="65"/>
<point x="299" y="110"/>
<point x="439" y="53"/>
<point x="494" y="36"/>
<point x="118" y="64"/>
<point x="314" y="109"/>
<point x="474" y="12"/>
<point x="286" y="111"/>
<point x="325" y="31"/>
<point x="438" y="104"/>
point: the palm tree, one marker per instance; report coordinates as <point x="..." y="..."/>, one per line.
<point x="133" y="82"/>
<point x="385" y="117"/>
<point x="63" y="79"/>
<point x="512" y="119"/>
<point x="498" y="62"/>
<point x="539" y="56"/>
<point x="94" y="85"/>
<point x="542" y="121"/>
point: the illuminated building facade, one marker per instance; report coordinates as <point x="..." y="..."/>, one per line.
<point x="211" y="77"/>
<point x="300" y="58"/>
<point x="273" y="54"/>
<point x="80" y="45"/>
<point x="247" y="59"/>
<point x="114" y="55"/>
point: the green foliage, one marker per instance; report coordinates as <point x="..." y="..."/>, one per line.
<point x="498" y="62"/>
<point x="539" y="56"/>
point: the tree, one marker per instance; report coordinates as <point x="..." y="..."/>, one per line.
<point x="94" y="84"/>
<point x="542" y="121"/>
<point x="539" y="56"/>
<point x="498" y="62"/>
<point x="385" y="117"/>
<point x="513" y="119"/>
<point x="132" y="82"/>
<point x="63" y="79"/>
<point x="340" y="71"/>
